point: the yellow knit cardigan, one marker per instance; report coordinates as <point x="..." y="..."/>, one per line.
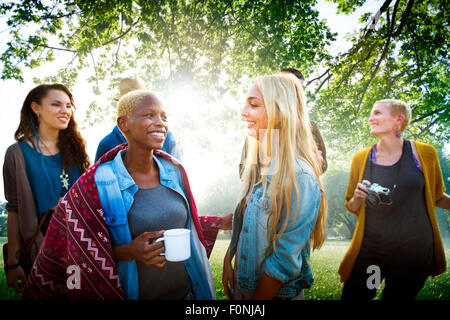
<point x="434" y="190"/>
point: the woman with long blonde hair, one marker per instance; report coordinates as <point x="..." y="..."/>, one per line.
<point x="282" y="207"/>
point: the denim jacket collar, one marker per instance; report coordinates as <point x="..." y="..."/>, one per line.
<point x="126" y="181"/>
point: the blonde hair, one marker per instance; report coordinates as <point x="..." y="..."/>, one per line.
<point x="128" y="102"/>
<point x="286" y="111"/>
<point x="398" y="107"/>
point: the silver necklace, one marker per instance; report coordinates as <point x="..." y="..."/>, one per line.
<point x="63" y="176"/>
<point x="64" y="179"/>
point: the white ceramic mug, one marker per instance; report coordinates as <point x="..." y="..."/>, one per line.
<point x="177" y="244"/>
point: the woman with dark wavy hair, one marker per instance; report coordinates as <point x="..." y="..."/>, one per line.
<point x="48" y="157"/>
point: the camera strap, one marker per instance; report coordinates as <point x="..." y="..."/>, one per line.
<point x="372" y="161"/>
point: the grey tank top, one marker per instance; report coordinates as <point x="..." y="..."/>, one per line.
<point x="155" y="209"/>
<point x="399" y="234"/>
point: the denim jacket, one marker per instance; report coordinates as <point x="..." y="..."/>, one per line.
<point x="116" y="190"/>
<point x="289" y="262"/>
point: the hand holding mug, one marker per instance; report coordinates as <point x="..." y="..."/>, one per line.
<point x="146" y="252"/>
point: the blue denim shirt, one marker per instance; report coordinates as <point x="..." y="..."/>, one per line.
<point x="116" y="189"/>
<point x="289" y="262"/>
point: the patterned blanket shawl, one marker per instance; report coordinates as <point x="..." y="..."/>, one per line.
<point x="77" y="243"/>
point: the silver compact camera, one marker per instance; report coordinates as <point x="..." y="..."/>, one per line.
<point x="378" y="195"/>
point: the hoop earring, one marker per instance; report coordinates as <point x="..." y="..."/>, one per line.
<point x="398" y="133"/>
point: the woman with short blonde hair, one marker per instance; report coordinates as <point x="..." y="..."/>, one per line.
<point x="398" y="107"/>
<point x="393" y="189"/>
<point x="113" y="215"/>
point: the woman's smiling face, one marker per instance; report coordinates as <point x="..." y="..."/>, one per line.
<point x="55" y="109"/>
<point x="148" y="123"/>
<point x="254" y="111"/>
<point x="382" y="121"/>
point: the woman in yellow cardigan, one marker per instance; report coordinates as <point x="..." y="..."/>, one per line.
<point x="393" y="190"/>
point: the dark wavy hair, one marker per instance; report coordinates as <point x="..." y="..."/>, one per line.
<point x="71" y="144"/>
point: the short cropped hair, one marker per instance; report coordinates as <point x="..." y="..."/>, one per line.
<point x="398" y="107"/>
<point x="129" y="102"/>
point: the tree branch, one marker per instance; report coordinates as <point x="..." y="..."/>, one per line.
<point x="390" y="27"/>
<point x="367" y="33"/>
<point x="68" y="65"/>
<point x="428" y="127"/>
<point x="404" y="18"/>
<point x="95" y="67"/>
<point x="122" y="35"/>
<point x="55" y="48"/>
<point x="243" y="26"/>
<point x="323" y="82"/>
<point x="426" y="115"/>
<point x="317" y="78"/>
<point x="103" y="44"/>
<point x="384" y="7"/>
<point x="116" y="56"/>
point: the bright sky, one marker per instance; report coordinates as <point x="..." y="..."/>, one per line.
<point x="13" y="94"/>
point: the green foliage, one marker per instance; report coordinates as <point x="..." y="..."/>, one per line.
<point x="168" y="40"/>
<point x="6" y="293"/>
<point x="403" y="56"/>
<point x="442" y="215"/>
<point x="324" y="265"/>
<point x="3" y="226"/>
<point x="220" y="45"/>
<point x="340" y="222"/>
<point x="3" y="219"/>
<point x="348" y="6"/>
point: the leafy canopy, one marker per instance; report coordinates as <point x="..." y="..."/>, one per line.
<point x="402" y="52"/>
<point x="203" y="41"/>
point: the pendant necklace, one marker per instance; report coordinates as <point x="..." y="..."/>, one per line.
<point x="63" y="176"/>
<point x="64" y="179"/>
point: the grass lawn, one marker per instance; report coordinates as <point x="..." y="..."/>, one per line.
<point x="325" y="263"/>
<point x="6" y="293"/>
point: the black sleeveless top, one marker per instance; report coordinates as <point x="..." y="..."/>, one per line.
<point x="399" y="234"/>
